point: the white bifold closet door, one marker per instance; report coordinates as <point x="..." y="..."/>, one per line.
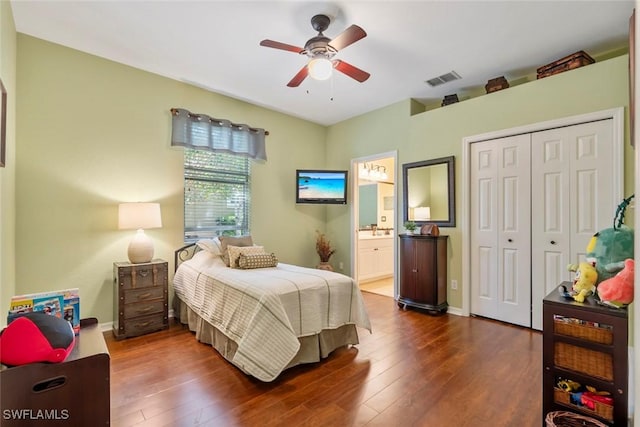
<point x="501" y="229"/>
<point x="574" y="198"/>
<point x="535" y="201"/>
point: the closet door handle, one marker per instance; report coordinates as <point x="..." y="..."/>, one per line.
<point x="509" y="240"/>
<point x="553" y="242"/>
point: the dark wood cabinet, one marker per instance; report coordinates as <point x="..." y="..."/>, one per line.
<point x="423" y="272"/>
<point x="586" y="343"/>
<point x="71" y="393"/>
<point x="140" y="298"/>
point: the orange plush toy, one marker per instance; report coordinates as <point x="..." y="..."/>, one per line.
<point x="617" y="291"/>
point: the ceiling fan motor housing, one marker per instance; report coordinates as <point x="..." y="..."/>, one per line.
<point x="319" y="45"/>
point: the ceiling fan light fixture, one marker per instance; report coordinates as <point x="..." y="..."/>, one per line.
<point x="320" y="49"/>
<point x="320" y="68"/>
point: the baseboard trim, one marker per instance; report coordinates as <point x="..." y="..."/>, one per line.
<point x="106" y="327"/>
<point x="456" y="311"/>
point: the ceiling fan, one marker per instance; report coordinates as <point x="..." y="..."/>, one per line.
<point x="321" y="50"/>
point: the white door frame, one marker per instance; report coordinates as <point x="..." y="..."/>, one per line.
<point x="355" y="204"/>
<point x="617" y="114"/>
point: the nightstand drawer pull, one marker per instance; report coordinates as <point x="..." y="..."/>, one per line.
<point x="144" y="295"/>
<point x="143" y="325"/>
<point x="137" y="309"/>
<point x="131" y="276"/>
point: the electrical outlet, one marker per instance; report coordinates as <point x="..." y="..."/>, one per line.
<point x="341" y="265"/>
<point x="454" y="285"/>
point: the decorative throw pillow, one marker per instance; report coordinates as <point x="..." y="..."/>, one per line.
<point x="225" y="241"/>
<point x="257" y="261"/>
<point x="235" y="251"/>
<point x="210" y="245"/>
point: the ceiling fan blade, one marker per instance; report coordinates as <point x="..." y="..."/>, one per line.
<point x="298" y="78"/>
<point x="281" y="46"/>
<point x="347" y="37"/>
<point x="351" y="71"/>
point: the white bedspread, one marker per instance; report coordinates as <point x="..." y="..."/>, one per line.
<point x="265" y="310"/>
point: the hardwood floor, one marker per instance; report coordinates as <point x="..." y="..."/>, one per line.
<point x="380" y="287"/>
<point x="413" y="370"/>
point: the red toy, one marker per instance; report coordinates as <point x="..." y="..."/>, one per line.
<point x="36" y="337"/>
<point x="618" y="290"/>
<point x="589" y="399"/>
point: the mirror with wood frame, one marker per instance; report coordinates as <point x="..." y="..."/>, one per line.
<point x="429" y="192"/>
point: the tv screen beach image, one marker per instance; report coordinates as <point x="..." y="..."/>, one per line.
<point x="321" y="185"/>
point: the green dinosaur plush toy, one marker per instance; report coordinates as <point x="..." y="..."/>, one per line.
<point x="608" y="248"/>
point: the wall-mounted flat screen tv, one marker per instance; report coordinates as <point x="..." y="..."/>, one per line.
<point x="321" y="186"/>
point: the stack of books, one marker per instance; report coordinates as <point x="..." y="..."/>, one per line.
<point x="64" y="304"/>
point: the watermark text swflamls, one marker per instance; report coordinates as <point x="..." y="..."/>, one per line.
<point x="35" y="414"/>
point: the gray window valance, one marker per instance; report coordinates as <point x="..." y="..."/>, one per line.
<point x="201" y="132"/>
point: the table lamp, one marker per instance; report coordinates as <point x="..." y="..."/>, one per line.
<point x="422" y="213"/>
<point x="139" y="216"/>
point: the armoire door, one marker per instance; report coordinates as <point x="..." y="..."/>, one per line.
<point x="573" y="198"/>
<point x="500" y="202"/>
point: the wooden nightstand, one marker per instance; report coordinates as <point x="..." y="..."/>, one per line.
<point x="140" y="301"/>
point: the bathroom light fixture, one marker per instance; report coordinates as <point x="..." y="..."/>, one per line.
<point x="373" y="172"/>
<point x="139" y="216"/>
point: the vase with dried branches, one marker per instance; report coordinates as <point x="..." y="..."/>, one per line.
<point x="324" y="250"/>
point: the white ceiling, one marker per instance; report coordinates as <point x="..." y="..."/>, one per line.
<point x="215" y="44"/>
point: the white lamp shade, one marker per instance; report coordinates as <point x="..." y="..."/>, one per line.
<point x="320" y="68"/>
<point x="422" y="213"/>
<point x="139" y="216"/>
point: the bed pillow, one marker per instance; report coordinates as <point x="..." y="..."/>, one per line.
<point x="235" y="251"/>
<point x="225" y="241"/>
<point x="205" y="259"/>
<point x="210" y="245"/>
<point x="246" y="261"/>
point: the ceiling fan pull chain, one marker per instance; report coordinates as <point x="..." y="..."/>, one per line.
<point x="332" y="78"/>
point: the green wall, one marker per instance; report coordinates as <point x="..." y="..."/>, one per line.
<point x="7" y="174"/>
<point x="94" y="133"/>
<point x="439" y="132"/>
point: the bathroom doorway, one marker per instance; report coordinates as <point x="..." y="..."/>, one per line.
<point x="374" y="223"/>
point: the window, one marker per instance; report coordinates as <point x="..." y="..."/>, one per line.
<point x="216" y="194"/>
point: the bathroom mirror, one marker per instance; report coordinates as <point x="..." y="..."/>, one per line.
<point x="429" y="192"/>
<point x="375" y="201"/>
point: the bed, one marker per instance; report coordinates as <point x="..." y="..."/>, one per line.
<point x="265" y="320"/>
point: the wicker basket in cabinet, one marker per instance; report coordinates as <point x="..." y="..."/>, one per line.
<point x="586" y="343"/>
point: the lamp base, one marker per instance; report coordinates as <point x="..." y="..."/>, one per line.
<point x="140" y="249"/>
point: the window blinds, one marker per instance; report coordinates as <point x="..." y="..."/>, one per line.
<point x="216" y="194"/>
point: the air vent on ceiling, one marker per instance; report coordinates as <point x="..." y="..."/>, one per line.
<point x="445" y="78"/>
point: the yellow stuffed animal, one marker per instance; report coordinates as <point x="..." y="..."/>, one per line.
<point x="584" y="282"/>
